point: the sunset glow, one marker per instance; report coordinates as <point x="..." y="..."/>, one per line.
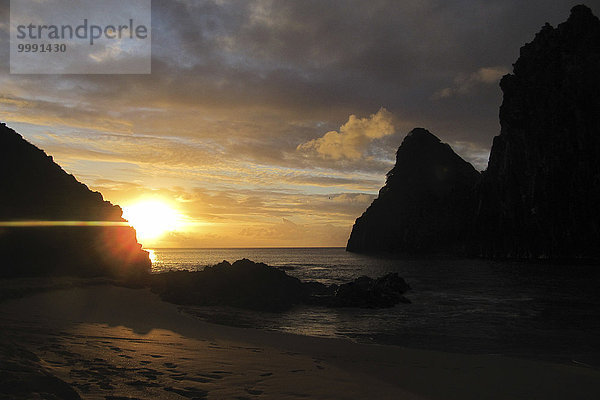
<point x="277" y="129"/>
<point x="152" y="219"/>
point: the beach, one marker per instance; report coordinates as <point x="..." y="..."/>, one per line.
<point x="102" y="341"/>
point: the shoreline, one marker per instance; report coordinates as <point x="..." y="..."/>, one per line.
<point x="202" y="313"/>
<point x="95" y="320"/>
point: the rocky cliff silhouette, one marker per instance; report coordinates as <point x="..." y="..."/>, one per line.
<point x="539" y="197"/>
<point x="35" y="189"/>
<point x="424" y="203"/>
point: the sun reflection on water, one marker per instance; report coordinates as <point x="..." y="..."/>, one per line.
<point x="152" y="256"/>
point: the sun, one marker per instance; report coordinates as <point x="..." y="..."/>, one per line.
<point x="152" y="219"/>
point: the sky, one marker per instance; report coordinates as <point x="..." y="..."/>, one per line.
<point x="273" y="123"/>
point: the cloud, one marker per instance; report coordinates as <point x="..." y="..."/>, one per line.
<point x="288" y="232"/>
<point x="285" y="229"/>
<point x="466" y="84"/>
<point x="353" y="137"/>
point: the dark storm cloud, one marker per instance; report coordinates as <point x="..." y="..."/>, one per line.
<point x="328" y="59"/>
<point x="350" y="52"/>
<point x="365" y="54"/>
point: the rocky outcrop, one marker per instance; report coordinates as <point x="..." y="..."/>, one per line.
<point x="36" y="198"/>
<point x="424" y="203"/>
<point x="257" y="286"/>
<point x="243" y="284"/>
<point x="540" y="195"/>
<point x="365" y="292"/>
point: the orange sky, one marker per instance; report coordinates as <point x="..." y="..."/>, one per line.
<point x="274" y="123"/>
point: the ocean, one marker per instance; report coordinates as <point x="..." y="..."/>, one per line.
<point x="549" y="312"/>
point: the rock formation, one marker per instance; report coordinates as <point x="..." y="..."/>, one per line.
<point x="540" y="195"/>
<point x="424" y="203"/>
<point x="243" y="284"/>
<point x="35" y="189"/>
<point x="257" y="286"/>
<point x="364" y="292"/>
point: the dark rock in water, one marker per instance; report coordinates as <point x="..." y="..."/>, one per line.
<point x="243" y="284"/>
<point x="540" y="195"/>
<point x="257" y="286"/>
<point x="35" y="189"/>
<point x="365" y="292"/>
<point x="424" y="203"/>
<point x="320" y="290"/>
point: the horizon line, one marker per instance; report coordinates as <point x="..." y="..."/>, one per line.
<point x="243" y="248"/>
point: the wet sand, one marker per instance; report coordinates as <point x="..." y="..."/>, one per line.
<point x="108" y="342"/>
